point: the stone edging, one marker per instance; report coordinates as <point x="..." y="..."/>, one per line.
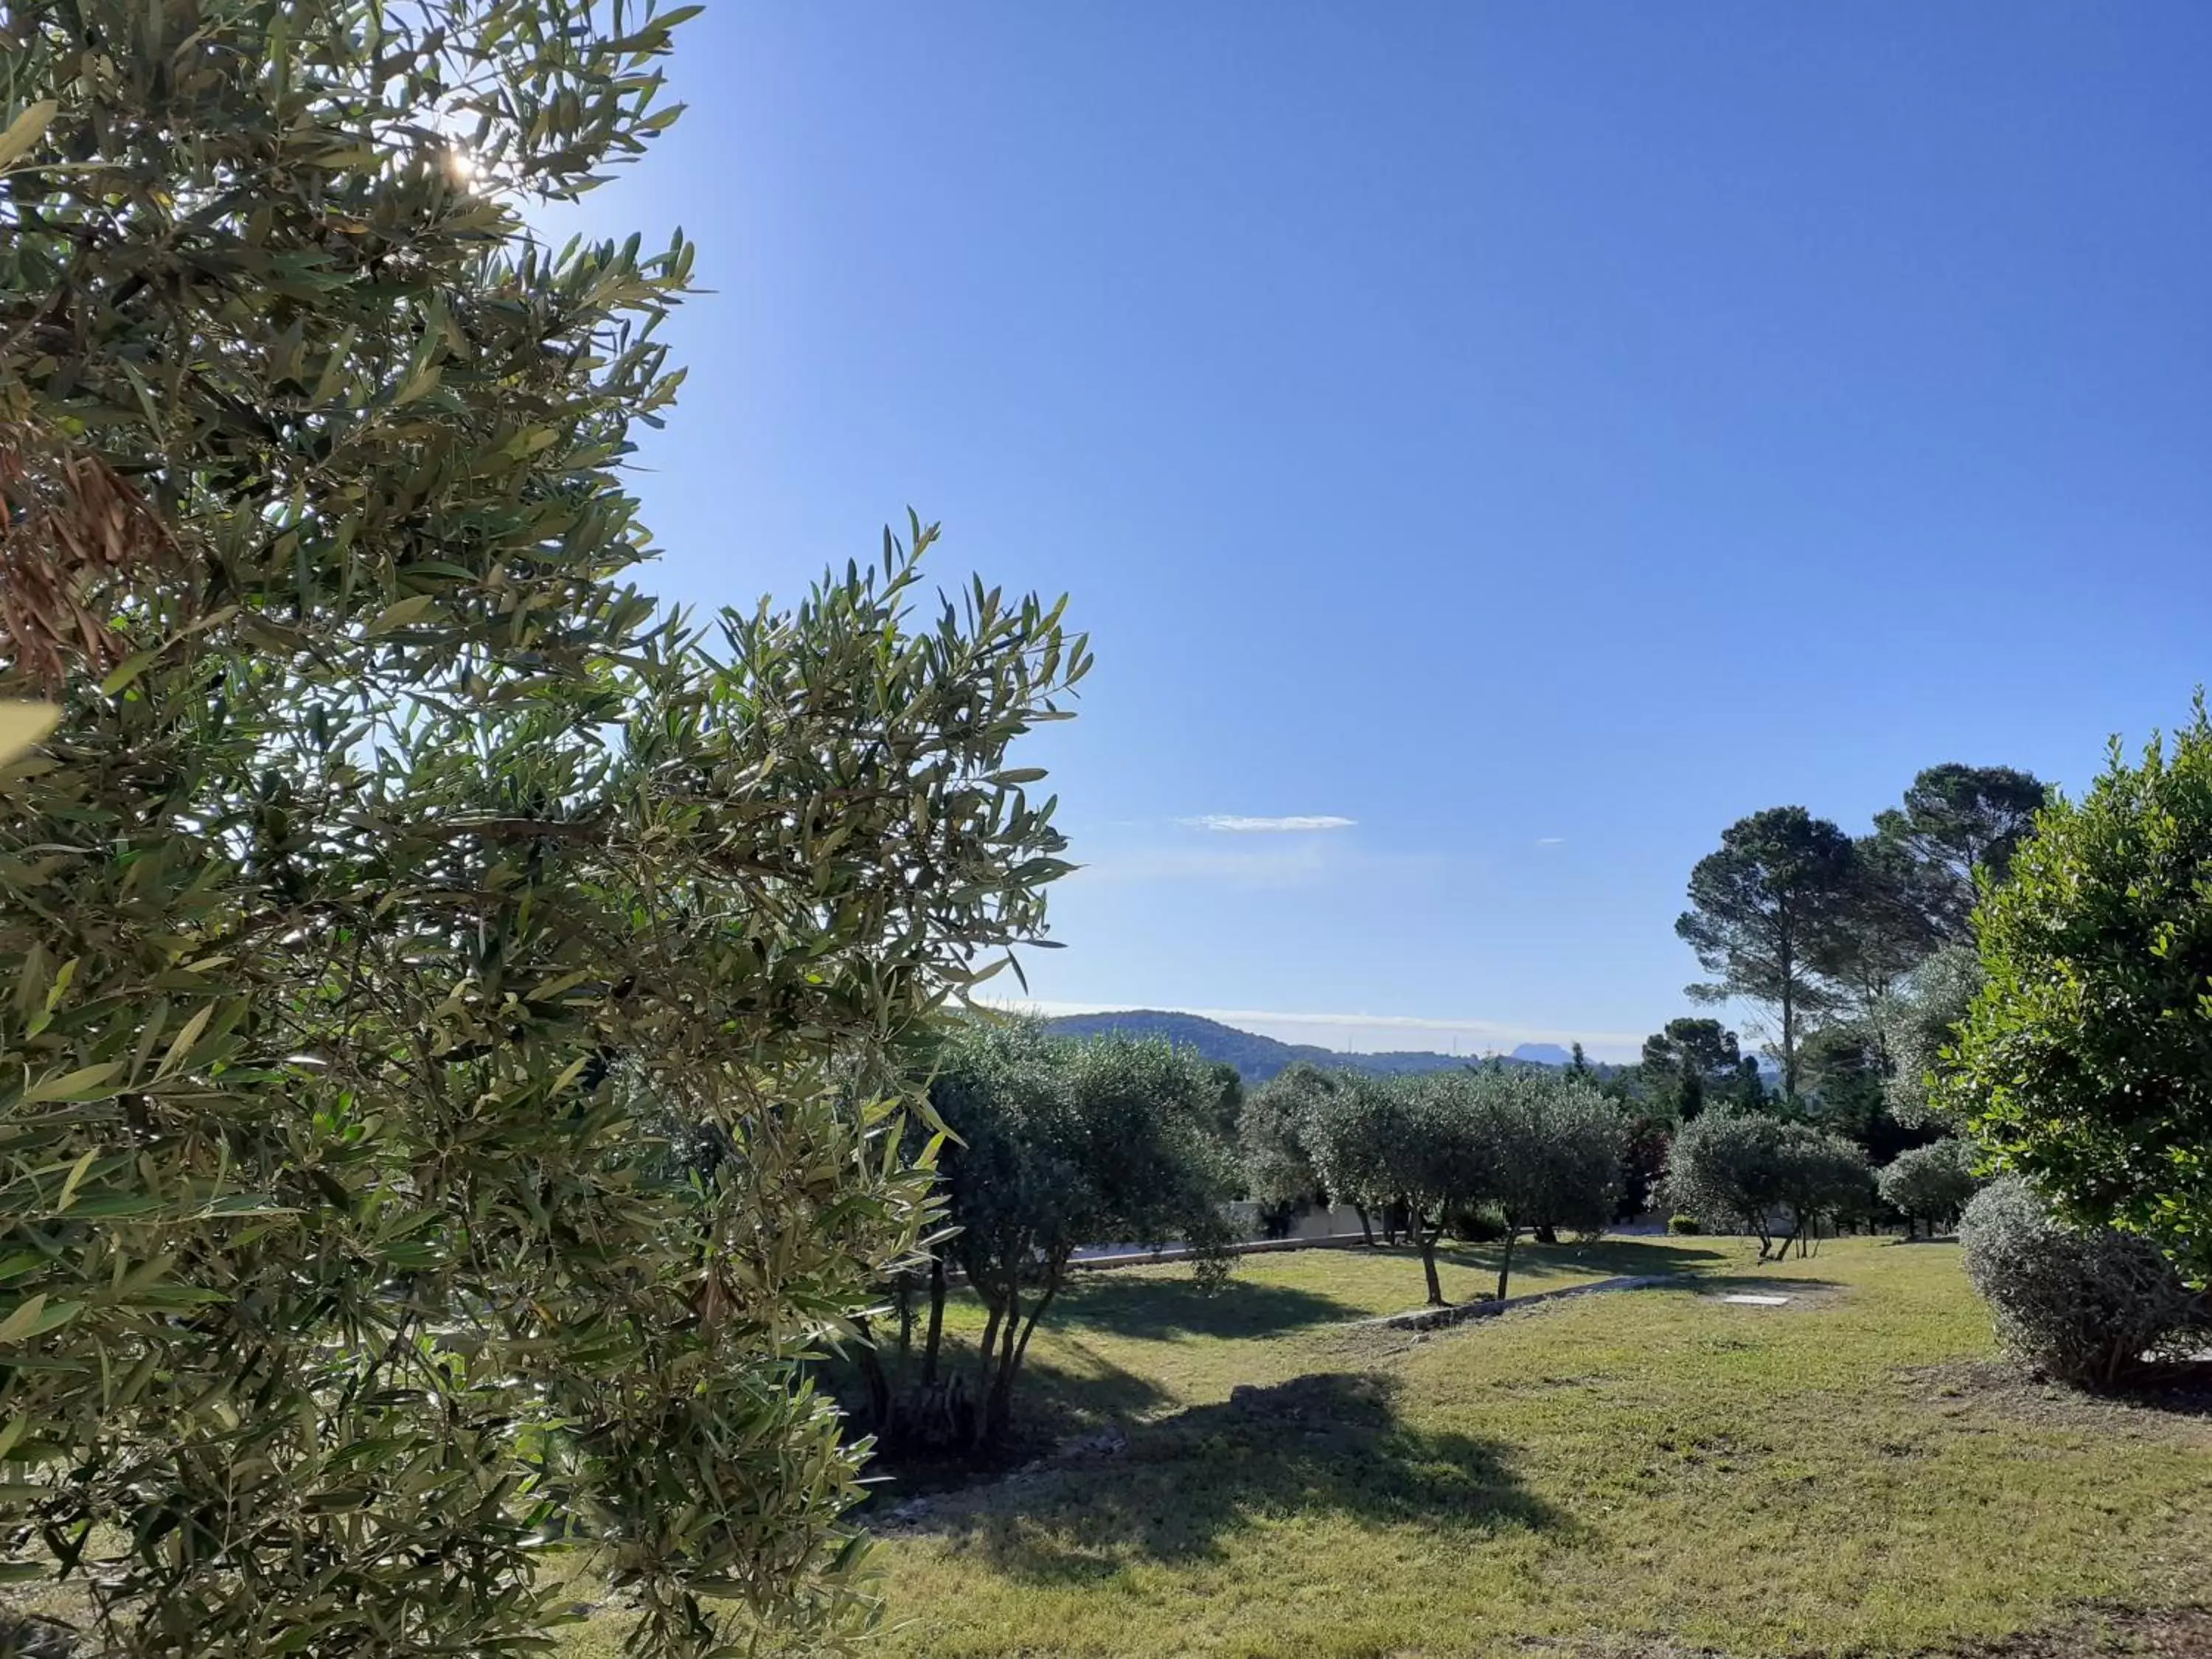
<point x="1139" y="1258"/>
<point x="1430" y="1319"/>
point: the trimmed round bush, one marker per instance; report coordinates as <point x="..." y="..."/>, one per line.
<point x="1684" y="1224"/>
<point x="2084" y="1306"/>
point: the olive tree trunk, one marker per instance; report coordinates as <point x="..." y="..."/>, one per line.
<point x="933" y="1344"/>
<point x="1013" y="1348"/>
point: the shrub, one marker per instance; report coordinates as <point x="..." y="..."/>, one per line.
<point x="2081" y="1064"/>
<point x="1476" y="1223"/>
<point x="1684" y="1224"/>
<point x="2084" y="1304"/>
<point x="1931" y="1183"/>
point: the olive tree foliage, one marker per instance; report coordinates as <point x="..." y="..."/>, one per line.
<point x="2088" y="1305"/>
<point x="1919" y="1022"/>
<point x="1060" y="1143"/>
<point x="443" y="1078"/>
<point x="1276" y="1135"/>
<point x="1409" y="1144"/>
<point x="1555" y="1148"/>
<point x="2082" y="1063"/>
<point x="1931" y="1183"/>
<point x="1352" y="1135"/>
<point x="1753" y="1171"/>
<point x="1543" y="1149"/>
<point x="1440" y="1155"/>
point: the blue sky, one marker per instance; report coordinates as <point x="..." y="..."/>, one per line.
<point x="1535" y="435"/>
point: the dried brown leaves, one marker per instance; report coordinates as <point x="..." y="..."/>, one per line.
<point x="69" y="526"/>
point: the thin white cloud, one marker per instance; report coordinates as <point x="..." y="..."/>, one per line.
<point x="1551" y="841"/>
<point x="1368" y="1033"/>
<point x="1231" y="823"/>
<point x="1272" y="864"/>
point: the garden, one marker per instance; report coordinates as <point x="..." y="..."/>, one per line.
<point x="503" y="1147"/>
<point x="1642" y="1472"/>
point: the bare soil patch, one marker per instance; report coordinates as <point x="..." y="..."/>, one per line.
<point x="2163" y="1633"/>
<point x="2171" y="1401"/>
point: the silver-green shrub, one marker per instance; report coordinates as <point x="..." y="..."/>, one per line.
<point x="2084" y="1306"/>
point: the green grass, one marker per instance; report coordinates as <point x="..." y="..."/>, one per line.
<point x="1649" y="1473"/>
<point x="1134" y="1343"/>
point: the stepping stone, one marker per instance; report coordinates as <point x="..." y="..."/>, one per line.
<point x="1757" y="1301"/>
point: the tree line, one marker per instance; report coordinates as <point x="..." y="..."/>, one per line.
<point x="1046" y="1145"/>
<point x="2011" y="988"/>
<point x="1539" y="1150"/>
<point x="1821" y="930"/>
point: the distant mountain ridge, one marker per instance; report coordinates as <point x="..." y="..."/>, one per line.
<point x="1258" y="1057"/>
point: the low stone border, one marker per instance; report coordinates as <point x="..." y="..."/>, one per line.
<point x="1167" y="1253"/>
<point x="1183" y="1252"/>
<point x="1430" y="1319"/>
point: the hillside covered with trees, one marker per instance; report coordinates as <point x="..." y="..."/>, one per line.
<point x="1257" y="1058"/>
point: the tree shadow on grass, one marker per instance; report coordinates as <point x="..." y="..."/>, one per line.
<point x="1071" y="1390"/>
<point x="1157" y="1308"/>
<point x="1330" y="1444"/>
<point x="1611" y="1258"/>
<point x="1614" y="1257"/>
<point x="1054" y="1397"/>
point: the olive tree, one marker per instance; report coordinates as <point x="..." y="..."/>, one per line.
<point x="1752" y="1171"/>
<point x="1415" y="1144"/>
<point x="1918" y="1022"/>
<point x="1060" y="1143"/>
<point x="1553" y="1148"/>
<point x="1543" y="1149"/>
<point x="1276" y="1135"/>
<point x="1931" y="1183"/>
<point x="1440" y="1156"/>
<point x="1351" y="1138"/>
<point x="2081" y="1064"/>
<point x="446" y="1076"/>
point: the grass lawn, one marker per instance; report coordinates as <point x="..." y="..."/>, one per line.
<point x="1654" y="1472"/>
<point x="1130" y="1345"/>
